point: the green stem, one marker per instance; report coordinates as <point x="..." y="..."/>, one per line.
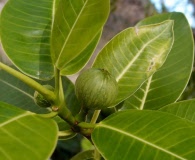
<point x="48" y="115"/>
<point x="65" y="133"/>
<point x="57" y="80"/>
<point x="82" y="115"/>
<point x="60" y="105"/>
<point x="61" y="90"/>
<point x="30" y="82"/>
<point x="58" y="87"/>
<point x="86" y="125"/>
<point x="95" y="116"/>
<point x="66" y="115"/>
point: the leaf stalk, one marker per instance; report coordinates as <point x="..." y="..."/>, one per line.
<point x="30" y="82"/>
<point x="95" y="116"/>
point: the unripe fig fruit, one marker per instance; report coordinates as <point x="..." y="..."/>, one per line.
<point x="40" y="99"/>
<point x="96" y="89"/>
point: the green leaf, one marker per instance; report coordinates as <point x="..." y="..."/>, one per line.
<point x="141" y="134"/>
<point x="86" y="144"/>
<point x="25" y="34"/>
<point x="135" y="54"/>
<point x="168" y="83"/>
<point x="183" y="109"/>
<point x="79" y="62"/>
<point x="71" y="102"/>
<point x="15" y="92"/>
<point x="25" y="135"/>
<point x="76" y="31"/>
<point x="70" y="96"/>
<point x="85" y="155"/>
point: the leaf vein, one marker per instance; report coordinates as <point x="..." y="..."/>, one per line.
<point x="140" y="139"/>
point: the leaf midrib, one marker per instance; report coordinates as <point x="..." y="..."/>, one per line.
<point x="16" y="118"/>
<point x="53" y="13"/>
<point x="145" y="93"/>
<point x="140" y="139"/>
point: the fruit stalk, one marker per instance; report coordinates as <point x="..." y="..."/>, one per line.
<point x="95" y="116"/>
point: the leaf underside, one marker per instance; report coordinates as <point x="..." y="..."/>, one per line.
<point x="168" y="83"/>
<point x="135" y="54"/>
<point x="139" y="135"/>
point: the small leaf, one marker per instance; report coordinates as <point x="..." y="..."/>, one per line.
<point x="168" y="83"/>
<point x="183" y="109"/>
<point x="141" y="134"/>
<point x="76" y="31"/>
<point x="25" y="135"/>
<point x="135" y="54"/>
<point x="25" y="34"/>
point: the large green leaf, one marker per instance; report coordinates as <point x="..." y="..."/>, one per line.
<point x="167" y="84"/>
<point x="135" y="54"/>
<point x="75" y="32"/>
<point x="183" y="109"/>
<point x="25" y="34"/>
<point x="141" y="134"/>
<point x="24" y="135"/>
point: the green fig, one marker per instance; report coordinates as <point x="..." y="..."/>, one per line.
<point x="96" y="89"/>
<point x="40" y="99"/>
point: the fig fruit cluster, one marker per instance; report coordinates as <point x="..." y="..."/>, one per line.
<point x="96" y="89"/>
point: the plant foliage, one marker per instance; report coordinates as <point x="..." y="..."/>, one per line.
<point x="151" y="63"/>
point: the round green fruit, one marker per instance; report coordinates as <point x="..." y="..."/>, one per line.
<point x="40" y="99"/>
<point x="96" y="89"/>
